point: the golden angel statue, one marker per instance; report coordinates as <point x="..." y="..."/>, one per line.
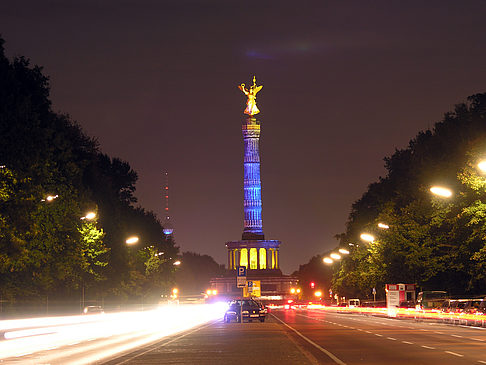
<point x="251" y="107"/>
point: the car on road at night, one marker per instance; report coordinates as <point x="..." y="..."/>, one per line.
<point x="246" y="309"/>
<point x="93" y="309"/>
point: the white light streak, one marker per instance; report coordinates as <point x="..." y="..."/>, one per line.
<point x="120" y="331"/>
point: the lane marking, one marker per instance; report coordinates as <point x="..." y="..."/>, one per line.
<point x="477" y="339"/>
<point x="306" y="353"/>
<point x="332" y="356"/>
<point x="368" y="331"/>
<point x="428" y="347"/>
<point x="454" y="353"/>
<point x="482" y="362"/>
<point x="439" y="333"/>
<point x="408" y="343"/>
<point x="377" y="334"/>
<point x="391" y="338"/>
<point x="456" y="336"/>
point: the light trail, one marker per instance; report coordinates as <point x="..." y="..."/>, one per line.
<point x="99" y="336"/>
<point x="434" y="314"/>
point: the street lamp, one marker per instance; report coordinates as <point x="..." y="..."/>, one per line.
<point x="383" y="225"/>
<point x="50" y="198"/>
<point x="318" y="294"/>
<point x="367" y="237"/>
<point x="344" y="251"/>
<point x="131" y="240"/>
<point x="335" y="256"/>
<point x="177" y="263"/>
<point x="327" y="260"/>
<point x="482" y="165"/>
<point x="89" y="216"/>
<point x="441" y="191"/>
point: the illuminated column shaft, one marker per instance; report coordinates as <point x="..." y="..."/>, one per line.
<point x="253" y="226"/>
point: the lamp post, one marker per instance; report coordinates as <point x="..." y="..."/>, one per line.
<point x="367" y="237"/>
<point x="441" y="191"/>
<point x="131" y="240"/>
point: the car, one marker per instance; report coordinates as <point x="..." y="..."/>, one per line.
<point x="246" y="309"/>
<point x="93" y="309"/>
<point x="474" y="314"/>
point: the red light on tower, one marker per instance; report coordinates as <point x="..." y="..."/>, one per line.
<point x="312" y="284"/>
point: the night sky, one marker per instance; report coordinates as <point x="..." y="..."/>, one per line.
<point x="345" y="84"/>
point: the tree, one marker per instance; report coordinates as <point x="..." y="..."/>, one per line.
<point x="435" y="243"/>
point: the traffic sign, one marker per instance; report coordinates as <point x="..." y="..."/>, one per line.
<point x="240" y="276"/>
<point x="240" y="271"/>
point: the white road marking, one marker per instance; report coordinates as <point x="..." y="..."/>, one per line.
<point x="439" y="333"/>
<point x="428" y="347"/>
<point x="377" y="334"/>
<point x="456" y="336"/>
<point x="332" y="356"/>
<point x="477" y="339"/>
<point x="408" y="343"/>
<point x="454" y="353"/>
<point x="391" y="338"/>
<point x="482" y="362"/>
<point x="367" y="331"/>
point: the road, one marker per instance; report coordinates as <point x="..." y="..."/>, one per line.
<point x="319" y="337"/>
<point x="290" y="337"/>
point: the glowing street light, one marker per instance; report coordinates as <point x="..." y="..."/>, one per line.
<point x="50" y="198"/>
<point x="367" y="237"/>
<point x="344" y="251"/>
<point x="328" y="260"/>
<point x="214" y="292"/>
<point x="89" y="216"/>
<point x="131" y="240"/>
<point x="292" y="291"/>
<point x="177" y="263"/>
<point x="383" y="225"/>
<point x="318" y="294"/>
<point x="335" y="256"/>
<point x="482" y="165"/>
<point x="440" y="191"/>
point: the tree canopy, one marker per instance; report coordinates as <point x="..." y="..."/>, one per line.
<point x="47" y="245"/>
<point x="436" y="242"/>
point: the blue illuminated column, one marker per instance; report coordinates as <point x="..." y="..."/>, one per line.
<point x="253" y="227"/>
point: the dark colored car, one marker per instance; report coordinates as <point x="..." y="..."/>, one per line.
<point x="246" y="309"/>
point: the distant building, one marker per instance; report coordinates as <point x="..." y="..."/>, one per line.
<point x="258" y="255"/>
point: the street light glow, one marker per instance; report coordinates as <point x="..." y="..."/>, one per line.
<point x="318" y="294"/>
<point x="440" y="191"/>
<point x="344" y="251"/>
<point x="177" y="263"/>
<point x="50" y="198"/>
<point x="335" y="256"/>
<point x="367" y="237"/>
<point x="89" y="216"/>
<point x="383" y="225"/>
<point x="482" y="165"/>
<point x="328" y="260"/>
<point x="131" y="240"/>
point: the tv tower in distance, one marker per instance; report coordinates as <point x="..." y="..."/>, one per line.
<point x="168" y="229"/>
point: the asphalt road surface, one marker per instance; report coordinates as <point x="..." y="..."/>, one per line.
<point x="317" y="337"/>
<point x="299" y="336"/>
